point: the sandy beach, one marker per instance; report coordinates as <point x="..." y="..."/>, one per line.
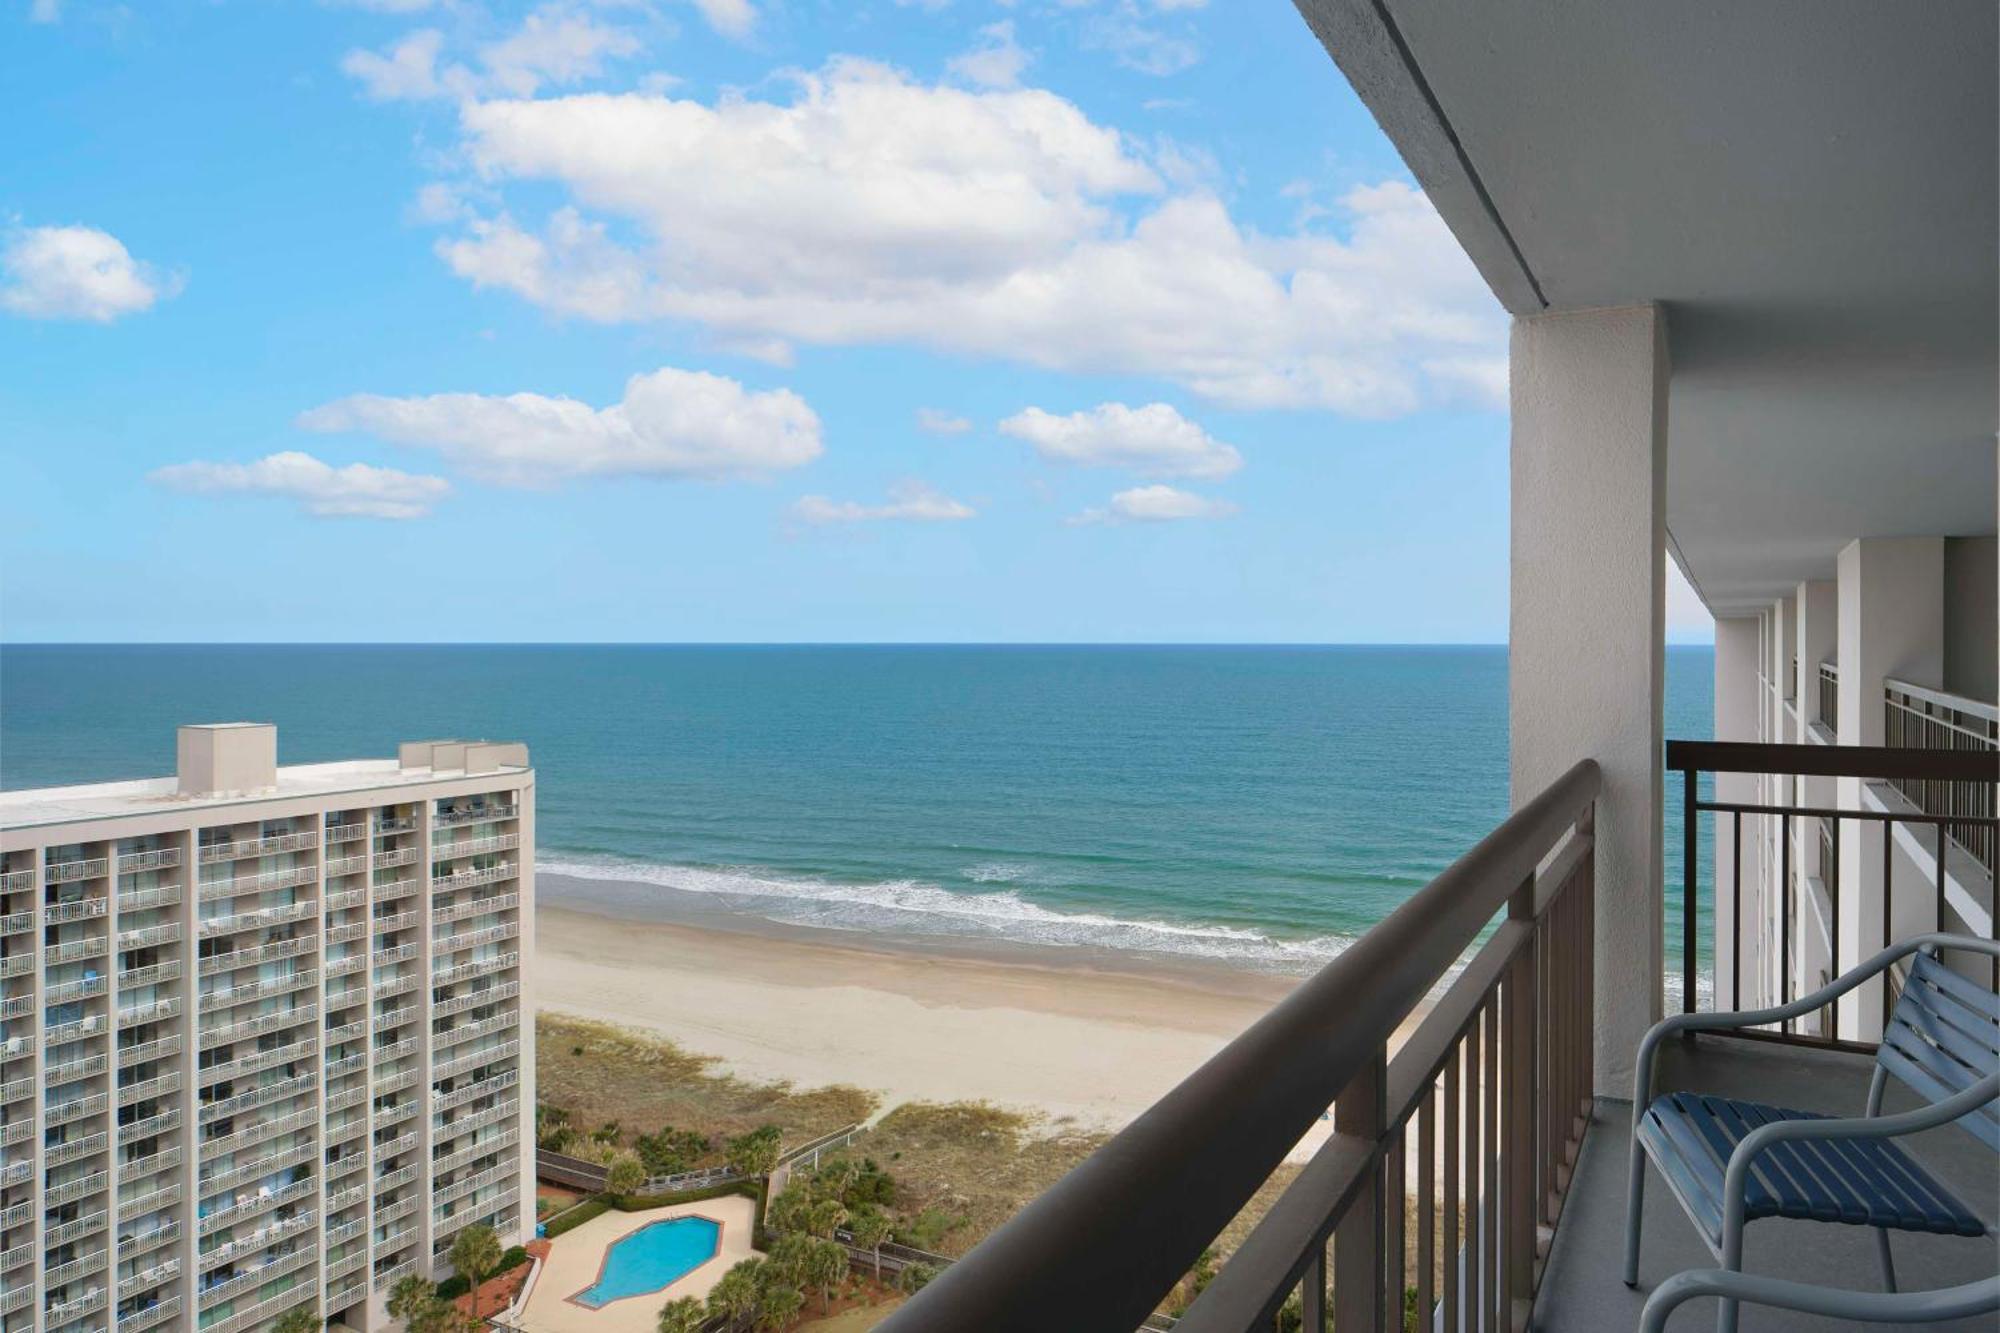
<point x="1086" y="1038"/>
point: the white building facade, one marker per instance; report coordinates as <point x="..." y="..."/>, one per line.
<point x="266" y="1034"/>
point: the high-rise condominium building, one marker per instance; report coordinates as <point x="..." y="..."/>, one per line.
<point x="265" y="1033"/>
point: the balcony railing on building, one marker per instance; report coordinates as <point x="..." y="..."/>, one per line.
<point x="1920" y="718"/>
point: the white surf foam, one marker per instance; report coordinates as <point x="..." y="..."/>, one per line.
<point x="914" y="907"/>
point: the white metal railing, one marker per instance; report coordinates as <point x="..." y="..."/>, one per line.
<point x="83" y="1266"/>
<point x="60" y="1034"/>
<point x="56" y="1154"/>
<point x="212" y="926"/>
<point x="258" y="1060"/>
<point x="472" y="879"/>
<point x="76" y="1108"/>
<point x="496" y="902"/>
<point x="386" y="1150"/>
<point x="386" y="957"/>
<point x="81" y="1187"/>
<point x="457" y="1004"/>
<point x="244" y="1209"/>
<point x="340" y="967"/>
<point x="223" y="999"/>
<point x="257" y="1240"/>
<point x="69" y="1071"/>
<point x="74" y="990"/>
<point x="267" y="846"/>
<point x="150" y="975"/>
<point x="346" y="865"/>
<point x="382" y="925"/>
<point x="159" y="1086"/>
<point x="347" y="1198"/>
<point x="341" y="1100"/>
<point x="215" y="964"/>
<point x="140" y="1281"/>
<point x="389" y="1277"/>
<point x="345" y="1032"/>
<point x="472" y="939"/>
<point x="353" y="930"/>
<point x="63" y="872"/>
<point x="76" y="909"/>
<point x="65" y="1311"/>
<point x="465" y="1156"/>
<point x="384" y="1021"/>
<point x="15" y="1090"/>
<point x="215" y="890"/>
<point x="147" y="936"/>
<point x="252" y="1135"/>
<point x="395" y="824"/>
<point x="79" y="1228"/>
<point x="395" y="1212"/>
<point x="151" y="1125"/>
<point x="264" y="1096"/>
<point x="149" y="1050"/>
<point x="400" y="856"/>
<point x="17" y="1006"/>
<point x="231" y="1177"/>
<point x="449" y="975"/>
<point x="216" y="1292"/>
<point x="444" y="1101"/>
<point x="151" y="1164"/>
<point x="343" y="899"/>
<point x="386" y="1116"/>
<point x="444" y="1227"/>
<point x="16" y="965"/>
<point x="473" y="1059"/>
<point x="150" y="1202"/>
<point x="346" y="1064"/>
<point x="93" y="946"/>
<point x="504" y="842"/>
<point x="458" y="1189"/>
<point x="159" y="858"/>
<point x="133" y="1015"/>
<point x="17" y="923"/>
<point x="467" y="1031"/>
<point x="475" y="814"/>
<point x="394" y="986"/>
<point x="263" y="1310"/>
<point x="257" y="1027"/>
<point x="388" y="1051"/>
<point x="150" y="1317"/>
<point x="17" y="881"/>
<point x="139" y="900"/>
<point x="145" y="1242"/>
<point x="388" y="890"/>
<point x="346" y="832"/>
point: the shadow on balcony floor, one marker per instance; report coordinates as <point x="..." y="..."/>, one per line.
<point x="1581" y="1292"/>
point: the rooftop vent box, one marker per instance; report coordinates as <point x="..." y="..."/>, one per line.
<point x="227" y="758"/>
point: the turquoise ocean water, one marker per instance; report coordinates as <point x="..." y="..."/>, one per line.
<point x="1256" y="805"/>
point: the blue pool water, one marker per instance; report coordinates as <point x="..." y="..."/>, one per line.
<point x="652" y="1257"/>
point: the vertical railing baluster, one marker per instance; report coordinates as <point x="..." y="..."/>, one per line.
<point x="1834" y="965"/>
<point x="1361" y="1112"/>
<point x="1689" y="898"/>
<point x="1491" y="1112"/>
<point x="1518" y="1126"/>
<point x="1475" y="1152"/>
<point x="1426" y="1207"/>
<point x="1312" y="1289"/>
<point x="1787" y="904"/>
<point x="1888" y="885"/>
<point x="1453" y="1143"/>
<point x="1736" y="895"/>
<point x="1396" y="1234"/>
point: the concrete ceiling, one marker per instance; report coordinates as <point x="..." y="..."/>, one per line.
<point x="1808" y="186"/>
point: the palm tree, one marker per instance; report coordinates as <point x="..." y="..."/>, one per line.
<point x="411" y="1297"/>
<point x="826" y="1265"/>
<point x="826" y="1216"/>
<point x="474" y="1256"/>
<point x="779" y="1306"/>
<point x="755" y="1153"/>
<point x="299" y="1319"/>
<point x="870" y="1227"/>
<point x="790" y="1260"/>
<point x="686" y="1315"/>
<point x="738" y="1293"/>
<point x="788" y="1211"/>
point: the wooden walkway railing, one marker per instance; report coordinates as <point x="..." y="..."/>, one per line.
<point x="1478" y="1117"/>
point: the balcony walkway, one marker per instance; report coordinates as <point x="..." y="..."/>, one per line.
<point x="1581" y="1292"/>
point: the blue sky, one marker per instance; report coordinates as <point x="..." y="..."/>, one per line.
<point x="729" y="320"/>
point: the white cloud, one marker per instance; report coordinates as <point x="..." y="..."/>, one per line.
<point x="1156" y="504"/>
<point x="869" y="208"/>
<point x="45" y="11"/>
<point x="937" y="421"/>
<point x="670" y="423"/>
<point x="997" y="60"/>
<point x="731" y="18"/>
<point x="354" y="491"/>
<point x="555" y="44"/>
<point x="1139" y="46"/>
<point x="1153" y="441"/>
<point x="75" y="273"/>
<point x="909" y="501"/>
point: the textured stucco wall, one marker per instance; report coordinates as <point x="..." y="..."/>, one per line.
<point x="1586" y="656"/>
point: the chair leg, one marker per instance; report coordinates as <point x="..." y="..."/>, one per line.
<point x="1732" y="1261"/>
<point x="1635" y="1199"/>
<point x="1888" y="1260"/>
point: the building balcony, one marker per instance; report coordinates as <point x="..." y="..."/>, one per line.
<point x="148" y="1050"/>
<point x="139" y="1243"/>
<point x="343" y="899"/>
<point x="263" y="1131"/>
<point x="458" y="1004"/>
<point x="17" y="923"/>
<point x="70" y="1150"/>
<point x="16" y="965"/>
<point x="231" y="1176"/>
<point x="61" y="1034"/>
<point x="162" y="1123"/>
<point x="74" y="1109"/>
<point x="213" y="1293"/>
<point x="490" y="1209"/>
<point x="76" y="909"/>
<point x="399" y="954"/>
<point x="401" y="856"/>
<point x="472" y="879"/>
<point x="390" y="890"/>
<point x="383" y="925"/>
<point x="466" y="1156"/>
<point x="346" y="865"/>
<point x="153" y="1012"/>
<point x="262" y="918"/>
<point x="339" y="833"/>
<point x="467" y="1031"/>
<point x="150" y="1316"/>
<point x="159" y="1086"/>
<point x="166" y="1196"/>
<point x="395" y="824"/>
<point x="80" y="1188"/>
<point x="212" y="852"/>
<point x="216" y="890"/>
<point x="153" y="974"/>
<point x="259" y="1239"/>
<point x="256" y="1205"/>
<point x="341" y="967"/>
<point x="95" y="946"/>
<point x="504" y="842"/>
<point x="471" y="1092"/>
<point x="61" y="1312"/>
<point x="474" y="814"/>
<point x="497" y="902"/>
<point x="17" y="881"/>
<point x="148" y="936"/>
<point x="394" y="1017"/>
<point x="64" y="872"/>
<point x="471" y="939"/>
<point x="264" y="1311"/>
<point x="80" y="1228"/>
<point x="215" y="964"/>
<point x="297" y="1085"/>
<point x="161" y="858"/>
<point x="258" y="1061"/>
<point x="68" y="991"/>
<point x="140" y="900"/>
<point x="224" y="1033"/>
<point x="70" y="1071"/>
<point x="471" y="1060"/>
<point x="146" y="1279"/>
<point x="257" y="990"/>
<point x="139" y="1168"/>
<point x="447" y="976"/>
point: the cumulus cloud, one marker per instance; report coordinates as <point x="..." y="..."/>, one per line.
<point x="870" y="208"/>
<point x="354" y="491"/>
<point x="670" y="423"/>
<point x="75" y="273"/>
<point x="731" y="18"/>
<point x="996" y="61"/>
<point x="1156" y="504"/>
<point x="937" y="421"/>
<point x="1139" y="45"/>
<point x="909" y="501"/>
<point x="1154" y="440"/>
<point x="555" y="45"/>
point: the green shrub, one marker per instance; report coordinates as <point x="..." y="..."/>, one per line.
<point x="576" y="1217"/>
<point x="671" y="1150"/>
<point x="513" y="1258"/>
<point x="452" y="1288"/>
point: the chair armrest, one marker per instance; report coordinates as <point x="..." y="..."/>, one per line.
<point x="1981" y="1296"/>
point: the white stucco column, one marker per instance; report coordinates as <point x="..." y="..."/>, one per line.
<point x="1818" y="640"/>
<point x="1586" y="648"/>
<point x="1737" y="696"/>
<point x="1891" y="624"/>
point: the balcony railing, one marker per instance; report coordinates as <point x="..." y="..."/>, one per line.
<point x="471" y="1092"/>
<point x="138" y="900"/>
<point x="396" y="824"/>
<point x="76" y="909"/>
<point x="1933" y="720"/>
<point x="16" y="881"/>
<point x="504" y="842"/>
<point x="152" y="1316"/>
<point x="506" y="990"/>
<point x="160" y="858"/>
<point x="1829" y="696"/>
<point x="496" y="902"/>
<point x="269" y="916"/>
<point x="215" y="890"/>
<point x="1503" y="1061"/>
<point x="63" y="872"/>
<point x="255" y="1206"/>
<point x="475" y="814"/>
<point x="346" y="832"/>
<point x="448" y="975"/>
<point x="271" y="846"/>
<point x="1790" y="938"/>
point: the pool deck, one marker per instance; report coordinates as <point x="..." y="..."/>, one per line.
<point x="576" y="1257"/>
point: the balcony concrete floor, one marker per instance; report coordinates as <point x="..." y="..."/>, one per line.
<point x="1581" y="1292"/>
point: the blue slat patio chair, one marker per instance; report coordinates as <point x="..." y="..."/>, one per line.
<point x="1731" y="1162"/>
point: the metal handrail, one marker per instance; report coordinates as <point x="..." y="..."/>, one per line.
<point x="1190" y="1163"/>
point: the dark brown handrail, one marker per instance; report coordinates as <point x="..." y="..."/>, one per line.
<point x="1103" y="1246"/>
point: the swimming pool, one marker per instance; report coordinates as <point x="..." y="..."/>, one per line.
<point x="650" y="1258"/>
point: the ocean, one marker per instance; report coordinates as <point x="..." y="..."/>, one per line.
<point x="1255" y="806"/>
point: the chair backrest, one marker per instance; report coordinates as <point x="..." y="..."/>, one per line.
<point x="1943" y="1037"/>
